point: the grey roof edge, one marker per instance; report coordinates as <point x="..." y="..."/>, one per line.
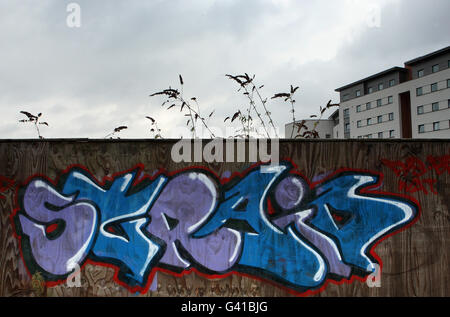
<point x="307" y="120"/>
<point x="427" y="56"/>
<point x="387" y="71"/>
<point x="334" y="112"/>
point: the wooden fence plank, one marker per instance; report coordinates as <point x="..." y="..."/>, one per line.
<point x="416" y="261"/>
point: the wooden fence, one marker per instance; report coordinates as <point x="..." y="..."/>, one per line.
<point x="414" y="258"/>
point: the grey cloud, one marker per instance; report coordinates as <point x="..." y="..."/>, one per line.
<point x="100" y="75"/>
<point x="408" y="29"/>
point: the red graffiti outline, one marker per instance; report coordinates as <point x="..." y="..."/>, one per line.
<point x="417" y="169"/>
<point x="5" y="184"/>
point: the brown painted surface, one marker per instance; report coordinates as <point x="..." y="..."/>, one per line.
<point x="416" y="261"/>
<point x="405" y="115"/>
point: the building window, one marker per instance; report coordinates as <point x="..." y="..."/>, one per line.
<point x="391" y="133"/>
<point x="420" y="110"/>
<point x="358" y="108"/>
<point x="379" y="119"/>
<point x="370" y="90"/>
<point x="391" y="116"/>
<point x="347" y="127"/>
<point x="380" y="86"/>
<point x="391" y="82"/>
<point x="358" y="123"/>
<point x="435" y="106"/>
<point x="380" y="135"/>
<point x="421" y="128"/>
<point x="448" y="83"/>
<point x="435" y="126"/>
<point x="358" y="93"/>
<point x="346" y="113"/>
<point x="390" y="99"/>
<point x="435" y="68"/>
<point x="379" y="103"/>
<point x="448" y="103"/>
<point x="346" y="97"/>
<point x="368" y="106"/>
<point x="369" y="121"/>
<point x="420" y="73"/>
<point x="419" y="91"/>
<point x="434" y="87"/>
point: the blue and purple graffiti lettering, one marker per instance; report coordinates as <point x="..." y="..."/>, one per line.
<point x="272" y="225"/>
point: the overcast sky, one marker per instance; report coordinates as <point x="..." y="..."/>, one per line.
<point x="88" y="80"/>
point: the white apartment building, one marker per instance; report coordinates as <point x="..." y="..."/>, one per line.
<point x="324" y="127"/>
<point x="409" y="102"/>
<point x="400" y="102"/>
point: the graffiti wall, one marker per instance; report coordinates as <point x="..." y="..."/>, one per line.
<point x="119" y="218"/>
